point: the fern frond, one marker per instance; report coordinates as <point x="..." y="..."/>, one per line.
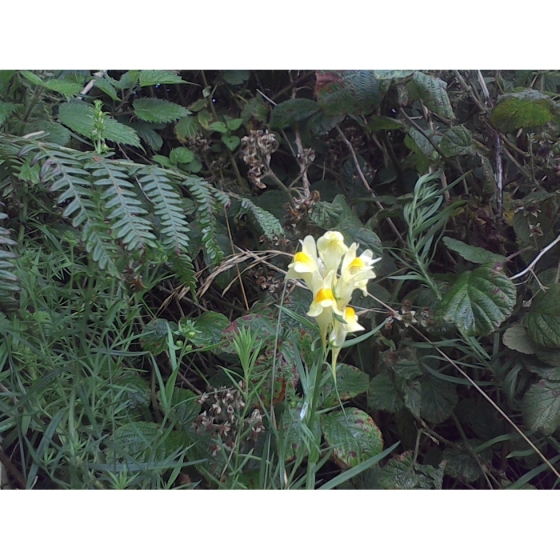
<point x="118" y="193"/>
<point x="8" y="280"/>
<point x="64" y="168"/>
<point x="174" y="229"/>
<point x="207" y="205"/>
<point x="269" y="224"/>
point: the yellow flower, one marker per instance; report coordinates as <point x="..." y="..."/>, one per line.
<point x="355" y="272"/>
<point x="340" y="330"/>
<point x="331" y="248"/>
<point x="306" y="265"/>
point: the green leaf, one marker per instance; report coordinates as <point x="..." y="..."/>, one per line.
<point x="350" y="382"/>
<point x="456" y="141"/>
<point x="438" y="399"/>
<point x="376" y="123"/>
<point x="541" y="406"/>
<point x="148" y="134"/>
<point x="78" y="116"/>
<point x="517" y="338"/>
<point x="461" y="465"/>
<point x="292" y="111"/>
<point x="383" y="394"/>
<point x="543" y="319"/>
<point x="57" y="134"/>
<point x="472" y="254"/>
<point x="479" y="301"/>
<point x="353" y="435"/>
<point x="233" y="124"/>
<point x="6" y="109"/>
<point x="107" y="87"/>
<point x="413" y="396"/>
<point x="355" y="92"/>
<point x="62" y="86"/>
<point x="402" y="473"/>
<point x="154" y="77"/>
<point x="523" y="109"/>
<point x="187" y="127"/>
<point x="433" y="93"/>
<point x="181" y="155"/>
<point x="120" y="133"/>
<point x="158" y="110"/>
<point x="155" y="335"/>
<point x="218" y="126"/>
<point x="184" y="408"/>
<point x="236" y="77"/>
<point x="211" y="326"/>
<point x="231" y="141"/>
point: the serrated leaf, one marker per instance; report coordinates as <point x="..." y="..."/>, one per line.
<point x="517" y="338"/>
<point x="392" y="74"/>
<point x="438" y="399"/>
<point x="383" y="394"/>
<point x="232" y="124"/>
<point x="236" y="77"/>
<point x="402" y="473"/>
<point x="479" y="301"/>
<point x="62" y="86"/>
<point x="187" y="127"/>
<point x="550" y="372"/>
<point x="353" y="435"/>
<point x="150" y="109"/>
<point x="154" y="77"/>
<point x="541" y="406"/>
<point x="461" y="465"/>
<point x="120" y="133"/>
<point x="456" y="141"/>
<point x="472" y="254"/>
<point x="148" y="134"/>
<point x="78" y="116"/>
<point x="218" y="126"/>
<point x="346" y="92"/>
<point x="412" y="390"/>
<point x="433" y="93"/>
<point x="181" y="155"/>
<point x="522" y="109"/>
<point x="543" y="319"/>
<point x="350" y="382"/>
<point x="107" y="87"/>
<point x="155" y="335"/>
<point x="211" y="326"/>
<point x="293" y="111"/>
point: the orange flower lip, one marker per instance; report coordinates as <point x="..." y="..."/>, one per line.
<point x="324" y="294"/>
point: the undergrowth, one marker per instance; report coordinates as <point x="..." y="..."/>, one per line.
<point x="150" y="339"/>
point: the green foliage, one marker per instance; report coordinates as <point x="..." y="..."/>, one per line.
<point x="479" y="300"/>
<point x="124" y="191"/>
<point x="353" y="435"/>
<point x="543" y="319"/>
<point x="523" y="109"/>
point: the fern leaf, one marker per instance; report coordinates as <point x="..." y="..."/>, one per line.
<point x="8" y="280"/>
<point x="118" y="193"/>
<point x="207" y="205"/>
<point x="65" y="170"/>
<point x="269" y="224"/>
<point x="174" y="229"/>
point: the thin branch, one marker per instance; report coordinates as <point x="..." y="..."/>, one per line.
<point x="536" y="259"/>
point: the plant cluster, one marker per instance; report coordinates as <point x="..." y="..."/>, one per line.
<point x="154" y="226"/>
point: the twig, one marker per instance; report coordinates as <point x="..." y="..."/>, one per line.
<point x="364" y="181"/>
<point x="536" y="259"/>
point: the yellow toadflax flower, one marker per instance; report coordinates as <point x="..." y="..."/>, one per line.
<point x="318" y="265"/>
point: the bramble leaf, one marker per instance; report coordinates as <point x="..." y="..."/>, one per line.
<point x="541" y="406"/>
<point x="353" y="434"/>
<point x="472" y="254"/>
<point x="543" y="319"/>
<point x="479" y="301"/>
